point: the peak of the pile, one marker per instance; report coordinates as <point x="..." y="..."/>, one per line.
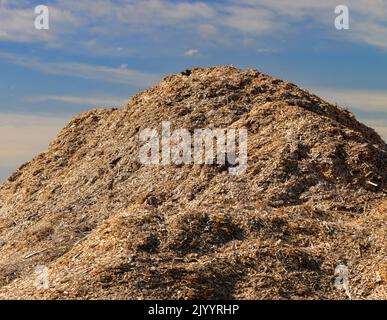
<point x="211" y="73"/>
<point x="223" y="95"/>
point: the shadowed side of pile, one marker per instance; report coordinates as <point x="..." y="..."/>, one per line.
<point x="303" y="152"/>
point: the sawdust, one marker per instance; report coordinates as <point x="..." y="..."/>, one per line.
<point x="107" y="226"/>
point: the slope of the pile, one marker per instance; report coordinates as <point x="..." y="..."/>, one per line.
<point x="302" y="150"/>
<point x="245" y="252"/>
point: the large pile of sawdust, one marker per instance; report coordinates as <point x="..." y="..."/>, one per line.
<point x="107" y="226"/>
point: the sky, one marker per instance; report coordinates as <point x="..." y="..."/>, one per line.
<point x="98" y="53"/>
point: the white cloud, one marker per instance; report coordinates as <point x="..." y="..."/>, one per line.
<point x="250" y="20"/>
<point x="368" y="18"/>
<point x="82" y="101"/>
<point x="17" y="24"/>
<point x="86" y="71"/>
<point x="191" y="52"/>
<point x="140" y="12"/>
<point x="236" y="18"/>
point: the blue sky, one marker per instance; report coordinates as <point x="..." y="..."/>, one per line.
<point x="100" y="52"/>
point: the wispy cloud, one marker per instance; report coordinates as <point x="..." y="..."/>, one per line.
<point x="368" y="18"/>
<point x="17" y="23"/>
<point x="255" y="18"/>
<point x="140" y="12"/>
<point x="121" y="74"/>
<point x="87" y="19"/>
<point x="372" y="32"/>
<point x="82" y="101"/>
<point x="364" y="100"/>
<point x="252" y="20"/>
<point x="191" y="52"/>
